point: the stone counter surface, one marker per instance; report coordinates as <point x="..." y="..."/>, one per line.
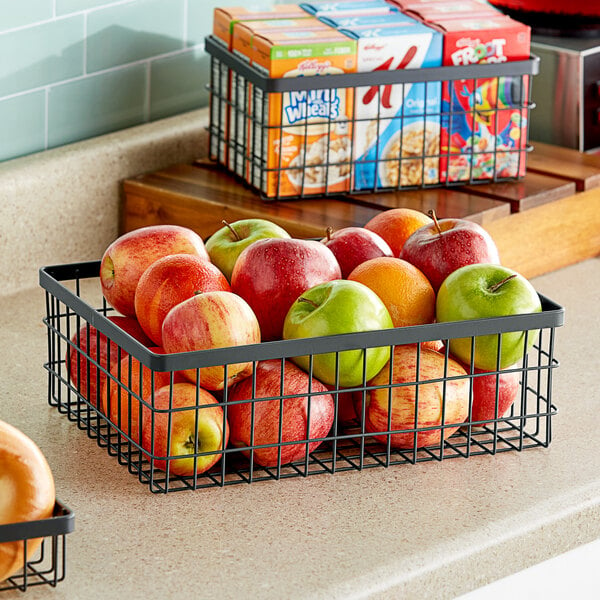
<point x="432" y="530"/>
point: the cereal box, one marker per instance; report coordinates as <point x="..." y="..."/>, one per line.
<point x="393" y="18"/>
<point x="305" y="135"/>
<point x="486" y="135"/>
<point x="350" y="7"/>
<point x="433" y="11"/>
<point x="242" y="105"/>
<point x="223" y="22"/>
<point x="396" y="140"/>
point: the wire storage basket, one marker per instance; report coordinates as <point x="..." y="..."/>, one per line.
<point x="284" y="138"/>
<point x="280" y="420"/>
<point x="47" y="565"/>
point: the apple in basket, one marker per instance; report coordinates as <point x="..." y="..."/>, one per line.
<point x="353" y="246"/>
<point x="169" y="281"/>
<point x="283" y="426"/>
<point x="226" y="244"/>
<point x="125" y="259"/>
<point x="493" y="393"/>
<point x="271" y="273"/>
<point x="186" y="441"/>
<point x="121" y="393"/>
<point x="442" y="246"/>
<point x="88" y="346"/>
<point x="211" y="320"/>
<point x="426" y="393"/>
<point x="481" y="291"/>
<point x="337" y="307"/>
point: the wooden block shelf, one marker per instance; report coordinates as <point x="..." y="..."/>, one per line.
<point x="548" y="220"/>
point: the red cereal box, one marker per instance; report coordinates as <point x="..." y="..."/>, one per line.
<point x="433" y="11"/>
<point x="484" y="121"/>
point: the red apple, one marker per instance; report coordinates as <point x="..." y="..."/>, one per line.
<point x="395" y="408"/>
<point x="211" y="320"/>
<point x="484" y="393"/>
<point x="346" y="412"/>
<point x="267" y="417"/>
<point x="355" y="245"/>
<point x="131" y="254"/>
<point x="121" y="393"/>
<point x="179" y="435"/>
<point x="271" y="273"/>
<point x="93" y="348"/>
<point x="169" y="281"/>
<point x="441" y="247"/>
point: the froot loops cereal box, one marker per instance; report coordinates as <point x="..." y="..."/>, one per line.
<point x="484" y="121"/>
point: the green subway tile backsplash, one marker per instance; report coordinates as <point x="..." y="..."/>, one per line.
<point x="135" y="31"/>
<point x="23" y="12"/>
<point x="81" y="68"/>
<point x="41" y="55"/>
<point x="178" y="83"/>
<point x="98" y="104"/>
<point x="22" y="128"/>
<point x="68" y="6"/>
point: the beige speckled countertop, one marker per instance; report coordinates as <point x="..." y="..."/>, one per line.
<point x="433" y="530"/>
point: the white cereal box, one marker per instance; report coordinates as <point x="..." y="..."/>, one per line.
<point x="355" y="7"/>
<point x="397" y="126"/>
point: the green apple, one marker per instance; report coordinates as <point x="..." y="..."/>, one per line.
<point x="335" y="307"/>
<point x="480" y="291"/>
<point x="226" y="244"/>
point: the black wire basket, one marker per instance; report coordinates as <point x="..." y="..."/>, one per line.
<point x="424" y="151"/>
<point x="136" y="420"/>
<point x="47" y="565"/>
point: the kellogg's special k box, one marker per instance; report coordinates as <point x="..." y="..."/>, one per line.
<point x="397" y="126"/>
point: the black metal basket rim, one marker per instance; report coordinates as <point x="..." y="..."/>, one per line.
<point x="61" y="522"/>
<point x="529" y="66"/>
<point x="552" y="315"/>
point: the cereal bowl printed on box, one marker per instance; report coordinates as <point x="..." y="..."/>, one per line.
<point x="411" y="156"/>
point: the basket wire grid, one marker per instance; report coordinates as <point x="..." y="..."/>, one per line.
<point x="243" y="132"/>
<point x="346" y="446"/>
<point x="47" y="566"/>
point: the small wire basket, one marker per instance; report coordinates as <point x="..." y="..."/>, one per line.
<point x="473" y="127"/>
<point x="47" y="566"/>
<point x="123" y="408"/>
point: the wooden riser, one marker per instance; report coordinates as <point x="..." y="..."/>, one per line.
<point x="548" y="220"/>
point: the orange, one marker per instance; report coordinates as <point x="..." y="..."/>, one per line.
<point x="403" y="288"/>
<point x="396" y="224"/>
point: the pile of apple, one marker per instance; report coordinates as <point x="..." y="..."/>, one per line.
<point x="251" y="283"/>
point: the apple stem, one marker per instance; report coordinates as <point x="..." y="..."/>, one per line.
<point x="329" y="231"/>
<point x="496" y="286"/>
<point x="432" y="214"/>
<point x="237" y="237"/>
<point x="303" y="299"/>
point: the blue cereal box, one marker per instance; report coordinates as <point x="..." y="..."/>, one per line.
<point x="354" y="7"/>
<point x="397" y="126"/>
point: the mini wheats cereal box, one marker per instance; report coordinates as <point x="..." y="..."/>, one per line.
<point x="397" y="126"/>
<point x="224" y="20"/>
<point x="306" y="134"/>
<point x="484" y="127"/>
